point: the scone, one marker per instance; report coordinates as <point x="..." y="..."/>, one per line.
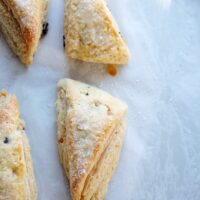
<point x="17" y="180"/>
<point x="91" y="33"/>
<point x="90" y="136"/>
<point x="22" y="22"/>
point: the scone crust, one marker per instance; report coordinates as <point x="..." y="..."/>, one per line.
<point x="17" y="180"/>
<point x="22" y="24"/>
<point x="91" y="118"/>
<point x="97" y="182"/>
<point x="29" y="14"/>
<point x="91" y="33"/>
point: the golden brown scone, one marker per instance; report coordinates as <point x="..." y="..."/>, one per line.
<point x="17" y="180"/>
<point x="91" y="33"/>
<point x="90" y="136"/>
<point x="21" y="22"/>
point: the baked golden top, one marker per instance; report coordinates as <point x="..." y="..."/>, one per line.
<point x="91" y="33"/>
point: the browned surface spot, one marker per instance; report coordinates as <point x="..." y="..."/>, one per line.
<point x="61" y="140"/>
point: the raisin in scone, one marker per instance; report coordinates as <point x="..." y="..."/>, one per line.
<point x="91" y="33"/>
<point x="22" y="22"/>
<point x="90" y="137"/>
<point x="17" y="180"/>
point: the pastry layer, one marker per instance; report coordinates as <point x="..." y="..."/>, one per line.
<point x="17" y="180"/>
<point x="97" y="181"/>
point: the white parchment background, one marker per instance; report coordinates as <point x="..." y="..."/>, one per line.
<point x="161" y="85"/>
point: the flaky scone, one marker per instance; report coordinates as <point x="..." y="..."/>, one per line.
<point x="21" y="22"/>
<point x="17" y="180"/>
<point x="91" y="33"/>
<point x="90" y="136"/>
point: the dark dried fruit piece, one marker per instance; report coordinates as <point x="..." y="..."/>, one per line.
<point x="63" y="41"/>
<point x="45" y="28"/>
<point x="6" y="140"/>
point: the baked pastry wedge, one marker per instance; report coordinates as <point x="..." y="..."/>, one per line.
<point x="22" y="22"/>
<point x="91" y="33"/>
<point x="90" y="134"/>
<point x="17" y="180"/>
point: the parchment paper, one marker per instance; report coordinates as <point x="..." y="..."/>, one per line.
<point x="161" y="85"/>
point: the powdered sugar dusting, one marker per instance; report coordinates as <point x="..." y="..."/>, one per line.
<point x="29" y="11"/>
<point x="160" y="158"/>
<point x="26" y="5"/>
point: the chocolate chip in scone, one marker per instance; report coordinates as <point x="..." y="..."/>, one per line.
<point x="87" y="94"/>
<point x="63" y="41"/>
<point x="45" y="28"/>
<point x="6" y="140"/>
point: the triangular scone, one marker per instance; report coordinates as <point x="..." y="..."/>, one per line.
<point x="17" y="180"/>
<point x="90" y="135"/>
<point x="21" y="22"/>
<point x="91" y="33"/>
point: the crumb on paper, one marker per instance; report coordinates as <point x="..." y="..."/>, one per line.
<point x="112" y="70"/>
